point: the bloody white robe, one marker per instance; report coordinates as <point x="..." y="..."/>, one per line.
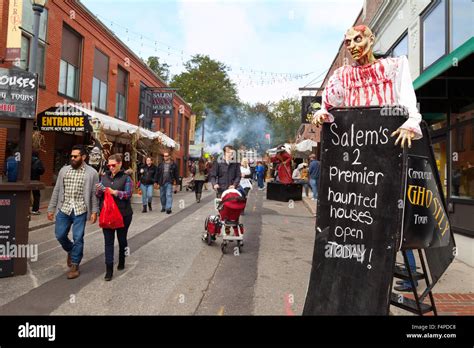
<point x="386" y="82"/>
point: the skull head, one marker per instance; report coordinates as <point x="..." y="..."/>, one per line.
<point x="95" y="156"/>
<point x="359" y="41"/>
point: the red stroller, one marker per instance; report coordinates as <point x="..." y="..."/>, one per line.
<point x="230" y="206"/>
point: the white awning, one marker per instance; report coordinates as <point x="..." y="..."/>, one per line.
<point x="117" y="127"/>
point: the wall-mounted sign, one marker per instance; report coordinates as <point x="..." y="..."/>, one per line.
<point x="18" y="90"/>
<point x="7" y="232"/>
<point x="13" y="52"/>
<point x="59" y="119"/>
<point x="162" y="103"/>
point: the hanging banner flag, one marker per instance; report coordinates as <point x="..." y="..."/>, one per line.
<point x="162" y="103"/>
<point x="13" y="52"/>
<point x="267" y="136"/>
<point x="192" y="128"/>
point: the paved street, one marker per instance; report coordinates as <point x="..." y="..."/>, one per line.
<point x="171" y="271"/>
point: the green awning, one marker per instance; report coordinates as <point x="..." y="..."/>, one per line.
<point x="444" y="63"/>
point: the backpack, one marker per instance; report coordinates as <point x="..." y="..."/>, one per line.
<point x="37" y="167"/>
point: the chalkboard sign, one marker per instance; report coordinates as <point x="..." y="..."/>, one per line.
<point x="359" y="214"/>
<point x="7" y="233"/>
<point x="17" y="93"/>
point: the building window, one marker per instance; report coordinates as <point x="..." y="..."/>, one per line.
<point x="25" y="55"/>
<point x="462" y="176"/>
<point x="462" y="12"/>
<point x="70" y="62"/>
<point x="99" y="81"/>
<point x="121" y="95"/>
<point x="434" y="34"/>
<point x="400" y="48"/>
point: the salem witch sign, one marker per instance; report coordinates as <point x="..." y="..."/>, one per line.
<point x="18" y="90"/>
<point x="162" y="103"/>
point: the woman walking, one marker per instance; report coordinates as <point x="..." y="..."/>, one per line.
<point x="199" y="172"/>
<point x="120" y="186"/>
<point x="147" y="180"/>
<point x="246" y="175"/>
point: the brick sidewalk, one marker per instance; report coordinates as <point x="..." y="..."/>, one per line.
<point x="454" y="304"/>
<point x="451" y="303"/>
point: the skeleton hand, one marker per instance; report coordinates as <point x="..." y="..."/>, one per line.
<point x="320" y="119"/>
<point x="403" y="135"/>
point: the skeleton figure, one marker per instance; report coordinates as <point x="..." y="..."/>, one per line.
<point x="371" y="82"/>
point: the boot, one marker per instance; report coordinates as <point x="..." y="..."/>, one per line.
<point x="69" y="261"/>
<point x="109" y="271"/>
<point x="198" y="197"/>
<point x="121" y="264"/>
<point x="144" y="209"/>
<point x="73" y="272"/>
<point x="149" y="206"/>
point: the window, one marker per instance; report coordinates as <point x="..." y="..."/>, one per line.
<point x="462" y="138"/>
<point x="401" y="47"/>
<point x="121" y="95"/>
<point x="462" y="12"/>
<point x="434" y="34"/>
<point x="99" y="81"/>
<point x="70" y="62"/>
<point x="25" y="55"/>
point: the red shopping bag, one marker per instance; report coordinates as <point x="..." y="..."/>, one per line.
<point x="110" y="217"/>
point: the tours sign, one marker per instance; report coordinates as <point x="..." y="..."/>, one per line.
<point x="18" y="92"/>
<point x="62" y="119"/>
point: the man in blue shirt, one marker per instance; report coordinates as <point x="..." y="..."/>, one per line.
<point x="314" y="171"/>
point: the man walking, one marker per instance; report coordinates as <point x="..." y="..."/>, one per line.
<point x="167" y="176"/>
<point x="74" y="201"/>
<point x="37" y="169"/>
<point x="314" y="171"/>
<point x="225" y="174"/>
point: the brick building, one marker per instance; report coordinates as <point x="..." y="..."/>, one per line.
<point x="81" y="61"/>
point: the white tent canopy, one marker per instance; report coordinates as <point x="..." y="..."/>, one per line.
<point x="303" y="148"/>
<point x="117" y="127"/>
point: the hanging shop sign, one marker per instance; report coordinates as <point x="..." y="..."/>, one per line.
<point x="162" y="103"/>
<point x="18" y="92"/>
<point x="63" y="119"/>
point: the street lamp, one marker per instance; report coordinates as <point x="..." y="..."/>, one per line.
<point x="202" y="139"/>
<point x="38" y="8"/>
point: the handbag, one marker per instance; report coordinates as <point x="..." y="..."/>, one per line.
<point x="110" y="216"/>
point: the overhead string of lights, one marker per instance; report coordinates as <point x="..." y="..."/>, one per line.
<point x="176" y="58"/>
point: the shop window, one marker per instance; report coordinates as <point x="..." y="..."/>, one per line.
<point x="99" y="81"/>
<point x="400" y="48"/>
<point x="462" y="138"/>
<point x="462" y="12"/>
<point x="69" y="65"/>
<point x="434" y="34"/>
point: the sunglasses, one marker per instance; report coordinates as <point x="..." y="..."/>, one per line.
<point x="75" y="156"/>
<point x="111" y="165"/>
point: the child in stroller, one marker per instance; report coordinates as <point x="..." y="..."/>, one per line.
<point x="229" y="206"/>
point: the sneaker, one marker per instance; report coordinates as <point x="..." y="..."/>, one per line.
<point x="163" y="210"/>
<point x="168" y="211"/>
<point x="36" y="212"/>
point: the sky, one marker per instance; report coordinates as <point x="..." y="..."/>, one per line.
<point x="272" y="47"/>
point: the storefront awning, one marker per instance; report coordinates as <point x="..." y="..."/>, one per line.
<point x="117" y="127"/>
<point x="445" y="63"/>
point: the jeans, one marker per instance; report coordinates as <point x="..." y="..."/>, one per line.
<point x="147" y="193"/>
<point x="166" y="195"/>
<point x="198" y="184"/>
<point x="412" y="264"/>
<point x="305" y="185"/>
<point x="62" y="227"/>
<point x="109" y="239"/>
<point x="260" y="181"/>
<point x="36" y="200"/>
<point x="314" y="187"/>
